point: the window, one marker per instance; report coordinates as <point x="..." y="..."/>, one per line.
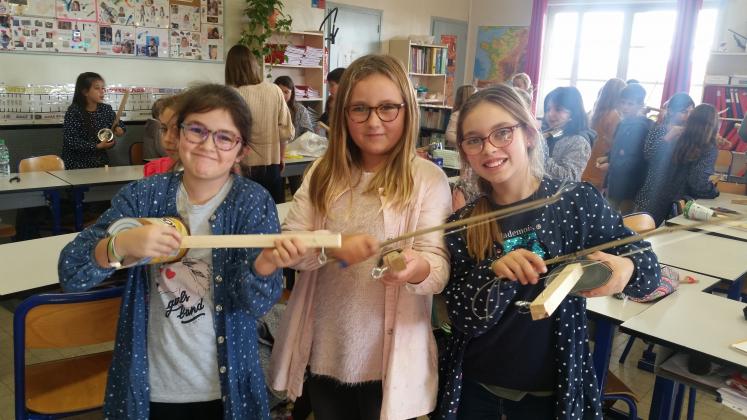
<point x="587" y="45"/>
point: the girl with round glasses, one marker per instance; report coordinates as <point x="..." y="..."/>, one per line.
<point x="497" y="361"/>
<point x="198" y="313"/>
<point x="367" y="342"/>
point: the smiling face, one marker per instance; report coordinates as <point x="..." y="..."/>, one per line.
<point x="203" y="162"/>
<point x="505" y="167"/>
<point x="375" y="138"/>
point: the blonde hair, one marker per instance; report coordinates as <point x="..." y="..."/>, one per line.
<point x="525" y="78"/>
<point x="340" y="166"/>
<point x="481" y="237"/>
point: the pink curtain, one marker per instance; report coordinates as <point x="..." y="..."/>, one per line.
<point x="679" y="67"/>
<point x="534" y="45"/>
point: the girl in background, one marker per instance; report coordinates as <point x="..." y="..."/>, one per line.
<point x="168" y="137"/>
<point x="462" y="94"/>
<point x="301" y="117"/>
<point x="367" y="342"/>
<point x="498" y="361"/>
<point x="272" y="123"/>
<point x="604" y="121"/>
<point x="658" y="154"/>
<point x="84" y="118"/>
<point x="694" y="155"/>
<point x="568" y="138"/>
<point x="209" y="335"/>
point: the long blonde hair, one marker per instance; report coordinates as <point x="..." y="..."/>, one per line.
<point x="339" y="167"/>
<point x="481" y="237"/>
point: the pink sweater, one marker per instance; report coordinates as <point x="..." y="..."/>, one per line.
<point x="409" y="357"/>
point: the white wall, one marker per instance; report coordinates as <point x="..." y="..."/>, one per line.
<point x="399" y="18"/>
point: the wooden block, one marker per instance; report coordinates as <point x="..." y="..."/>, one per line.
<point x="550" y="298"/>
<point x="395" y="261"/>
<point x="311" y="240"/>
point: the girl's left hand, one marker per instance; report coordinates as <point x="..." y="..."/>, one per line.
<point x="622" y="270"/>
<point x="119" y="131"/>
<point x="415" y="272"/>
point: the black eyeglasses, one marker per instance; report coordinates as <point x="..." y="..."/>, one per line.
<point x="198" y="134"/>
<point x="386" y="112"/>
<point x="500" y="137"/>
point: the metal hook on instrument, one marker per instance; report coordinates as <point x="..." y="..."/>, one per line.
<point x="322" y="258"/>
<point x="378" y="272"/>
<point x="522" y="306"/>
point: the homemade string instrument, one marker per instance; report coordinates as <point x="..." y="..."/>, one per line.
<point x="107" y="134"/>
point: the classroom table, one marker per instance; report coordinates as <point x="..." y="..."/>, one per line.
<point x="296" y="166"/>
<point x="33" y="190"/>
<point x="697" y="323"/>
<point x="96" y="184"/>
<point x="724" y="200"/>
<point x="609" y="312"/>
<point x="32" y="264"/>
<point x="710" y="255"/>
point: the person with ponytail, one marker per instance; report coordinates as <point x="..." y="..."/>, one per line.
<point x="498" y="361"/>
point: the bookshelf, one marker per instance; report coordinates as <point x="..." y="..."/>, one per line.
<point x="301" y="57"/>
<point x="426" y="65"/>
<point x="726" y="89"/>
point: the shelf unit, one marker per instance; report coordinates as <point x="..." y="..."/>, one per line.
<point x="730" y="98"/>
<point x="426" y="66"/>
<point x="304" y="75"/>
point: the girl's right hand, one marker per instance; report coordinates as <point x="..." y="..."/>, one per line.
<point x="103" y="145"/>
<point x="356" y="248"/>
<point x="147" y="241"/>
<point x="520" y="265"/>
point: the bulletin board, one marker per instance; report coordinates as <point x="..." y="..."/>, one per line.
<point x="149" y="29"/>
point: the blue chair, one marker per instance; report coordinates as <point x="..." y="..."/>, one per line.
<point x="67" y="386"/>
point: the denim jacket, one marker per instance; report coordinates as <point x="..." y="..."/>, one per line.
<point x="240" y="295"/>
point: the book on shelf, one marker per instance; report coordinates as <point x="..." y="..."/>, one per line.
<point x="294" y="55"/>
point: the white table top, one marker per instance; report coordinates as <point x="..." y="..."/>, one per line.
<point x="620" y="311"/>
<point x="724" y="201"/>
<point x="699" y="322"/>
<point x="706" y="254"/>
<point x="106" y="175"/>
<point x="31" y="264"/>
<point x="31" y="181"/>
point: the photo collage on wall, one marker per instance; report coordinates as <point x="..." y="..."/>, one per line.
<point x="185" y="29"/>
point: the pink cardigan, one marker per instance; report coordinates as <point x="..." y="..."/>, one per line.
<point x="410" y="374"/>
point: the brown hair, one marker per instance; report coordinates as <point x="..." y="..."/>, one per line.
<point x="209" y="97"/>
<point x="699" y="135"/>
<point x="343" y="157"/>
<point x="242" y="67"/>
<point x="481" y="237"/>
<point x="608" y="100"/>
<point x="462" y="93"/>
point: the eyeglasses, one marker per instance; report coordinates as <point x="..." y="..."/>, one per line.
<point x="500" y="137"/>
<point x="386" y="112"/>
<point x="198" y="134"/>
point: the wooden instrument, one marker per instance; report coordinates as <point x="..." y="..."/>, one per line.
<point x="107" y="134"/>
<point x="311" y="240"/>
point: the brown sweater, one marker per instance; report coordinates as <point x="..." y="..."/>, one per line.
<point x="272" y="123"/>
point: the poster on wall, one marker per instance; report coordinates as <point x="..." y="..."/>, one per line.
<point x="212" y="11"/>
<point x="75" y="9"/>
<point x="77" y="37"/>
<point x="451" y="42"/>
<point x="152" y="42"/>
<point x="117" y="40"/>
<point x="501" y="52"/>
<point x="185" y="18"/>
<point x="185" y="44"/>
<point x="212" y="36"/>
<point x="38" y="8"/>
<point x="119" y="13"/>
<point x="33" y="34"/>
<point x="6" y="33"/>
<point x="156" y="14"/>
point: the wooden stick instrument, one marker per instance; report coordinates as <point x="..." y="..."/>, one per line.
<point x="121" y="108"/>
<point x="549" y="299"/>
<point x="310" y="240"/>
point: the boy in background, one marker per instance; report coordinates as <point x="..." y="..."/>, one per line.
<point x="627" y="166"/>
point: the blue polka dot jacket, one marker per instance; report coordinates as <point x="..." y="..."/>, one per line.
<point x="579" y="220"/>
<point x="240" y="295"/>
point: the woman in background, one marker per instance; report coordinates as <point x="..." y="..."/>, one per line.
<point x="272" y="124"/>
<point x="567" y="133"/>
<point x="301" y="116"/>
<point x="604" y="121"/>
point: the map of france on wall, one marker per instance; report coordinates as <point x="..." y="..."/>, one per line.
<point x="501" y="52"/>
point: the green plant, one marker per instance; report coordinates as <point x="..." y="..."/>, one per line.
<point x="265" y="18"/>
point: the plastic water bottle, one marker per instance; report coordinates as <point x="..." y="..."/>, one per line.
<point x="4" y="160"/>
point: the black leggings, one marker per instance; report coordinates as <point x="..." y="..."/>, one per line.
<point x="269" y="177"/>
<point x="204" y="410"/>
<point x="332" y="400"/>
